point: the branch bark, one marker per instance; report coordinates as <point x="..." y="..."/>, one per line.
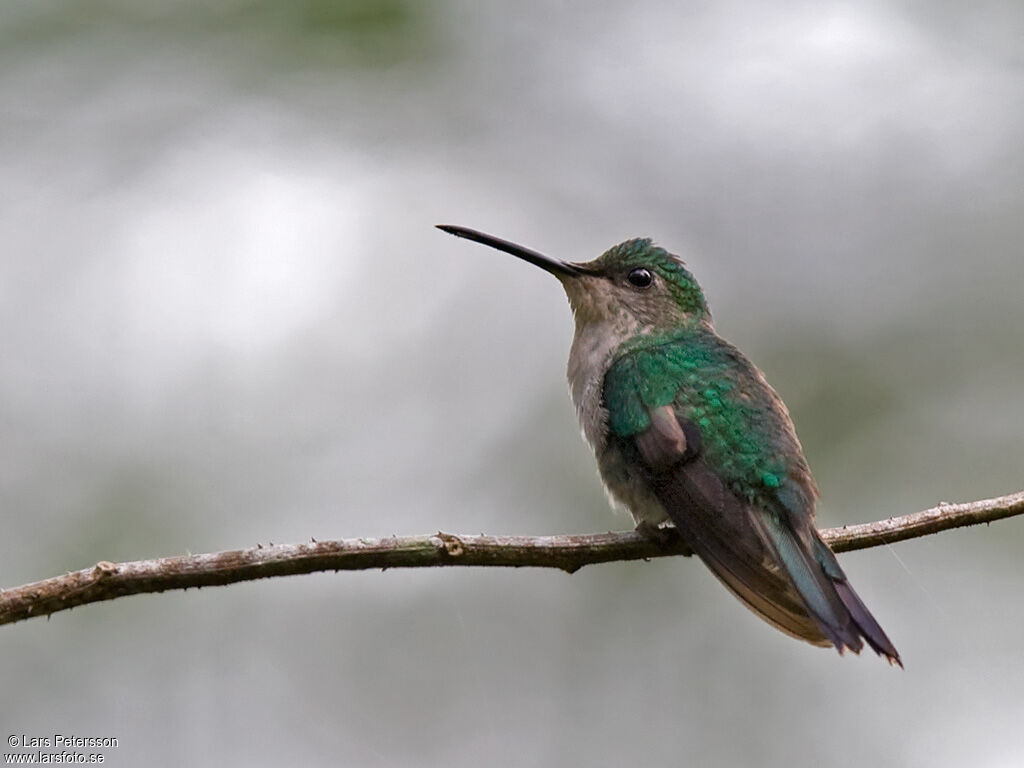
<point x="107" y="581"/>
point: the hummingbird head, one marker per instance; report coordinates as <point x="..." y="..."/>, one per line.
<point x="635" y="284"/>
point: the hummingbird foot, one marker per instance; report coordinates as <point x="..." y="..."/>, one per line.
<point x="663" y="536"/>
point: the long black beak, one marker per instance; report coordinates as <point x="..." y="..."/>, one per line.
<point x="555" y="267"/>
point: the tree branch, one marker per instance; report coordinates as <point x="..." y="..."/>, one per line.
<point x="106" y="581"/>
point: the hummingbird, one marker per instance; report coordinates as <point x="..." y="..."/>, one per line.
<point x="694" y="442"/>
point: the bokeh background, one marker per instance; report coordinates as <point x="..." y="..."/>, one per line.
<point x="226" y="319"/>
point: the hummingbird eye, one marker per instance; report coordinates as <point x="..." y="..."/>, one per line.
<point x="640" y="277"/>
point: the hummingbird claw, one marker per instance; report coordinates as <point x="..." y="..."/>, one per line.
<point x="664" y="537"/>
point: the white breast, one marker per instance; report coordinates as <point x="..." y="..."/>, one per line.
<point x="593" y="348"/>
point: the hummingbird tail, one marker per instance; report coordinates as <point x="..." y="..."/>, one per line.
<point x="788" y="577"/>
<point x="830" y="600"/>
<point x="870" y="630"/>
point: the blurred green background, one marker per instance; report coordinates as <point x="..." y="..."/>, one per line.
<point x="226" y="319"/>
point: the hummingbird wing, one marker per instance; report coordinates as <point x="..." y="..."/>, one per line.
<point x="723" y="531"/>
<point x="736" y="485"/>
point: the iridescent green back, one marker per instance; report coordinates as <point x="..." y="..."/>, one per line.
<point x="747" y="437"/>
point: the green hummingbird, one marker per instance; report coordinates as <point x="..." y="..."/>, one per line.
<point x="687" y="431"/>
